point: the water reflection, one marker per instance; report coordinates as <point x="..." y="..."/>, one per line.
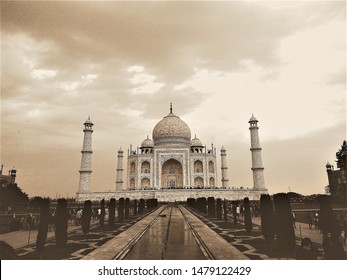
<point x="180" y="245"/>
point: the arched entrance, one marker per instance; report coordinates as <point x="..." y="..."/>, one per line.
<point x="172" y="175"/>
<point x="145" y="183"/>
<point x="198" y="182"/>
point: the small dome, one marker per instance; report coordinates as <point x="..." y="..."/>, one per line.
<point x="147" y="143"/>
<point x="171" y="130"/>
<point x="196" y="142"/>
<point x="253" y="119"/>
<point x="88" y="121"/>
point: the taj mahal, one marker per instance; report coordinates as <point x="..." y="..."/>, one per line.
<point x="172" y="166"/>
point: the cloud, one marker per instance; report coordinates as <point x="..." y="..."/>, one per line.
<point x="122" y="63"/>
<point x="300" y="162"/>
<point x="338" y="78"/>
<point x="164" y="33"/>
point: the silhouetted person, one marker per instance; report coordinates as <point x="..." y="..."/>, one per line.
<point x="306" y="251"/>
<point x="309" y="219"/>
<point x="333" y="249"/>
<point x="342" y="229"/>
<point x="293" y="220"/>
<point x="316" y="220"/>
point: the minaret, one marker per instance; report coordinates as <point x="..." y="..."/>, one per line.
<point x="86" y="162"/>
<point x="119" y="179"/>
<point x="225" y="180"/>
<point x="257" y="165"/>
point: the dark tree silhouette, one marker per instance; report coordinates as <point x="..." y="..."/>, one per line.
<point x="326" y="216"/>
<point x="191" y="202"/>
<point x="127" y="208"/>
<point x="219" y="209"/>
<point x="284" y="223"/>
<point x="201" y="203"/>
<point x="233" y="209"/>
<point x="333" y="249"/>
<point x="86" y="216"/>
<point x="267" y="217"/>
<point x="248" y="218"/>
<point x="225" y="208"/>
<point x="61" y="223"/>
<point x="112" y="212"/>
<point x="102" y="213"/>
<point x="211" y="206"/>
<point x="121" y="210"/>
<point x="135" y="207"/>
<point x="43" y="226"/>
<point x="36" y="202"/>
<point x="141" y="205"/>
<point x="12" y="196"/>
<point x="341" y="156"/>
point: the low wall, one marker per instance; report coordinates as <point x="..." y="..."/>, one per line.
<point x="179" y="195"/>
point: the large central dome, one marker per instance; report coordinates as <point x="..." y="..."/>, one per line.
<point x="171" y="130"/>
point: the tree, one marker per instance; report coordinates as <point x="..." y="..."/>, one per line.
<point x="233" y="210"/>
<point x="211" y="206"/>
<point x="284" y="223"/>
<point x="112" y="212"/>
<point x="248" y="218"/>
<point x="225" y="210"/>
<point x="341" y="156"/>
<point x="102" y="213"/>
<point x="36" y="202"/>
<point x="126" y="208"/>
<point x="61" y="220"/>
<point x="328" y="223"/>
<point x="219" y="209"/>
<point x="326" y="216"/>
<point x="43" y="225"/>
<point x="135" y="207"/>
<point x="141" y="205"/>
<point x="267" y="217"/>
<point x="201" y="205"/>
<point x="12" y="196"/>
<point x="86" y="216"/>
<point x="121" y="209"/>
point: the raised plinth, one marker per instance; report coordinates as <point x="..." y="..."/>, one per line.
<point x="179" y="195"/>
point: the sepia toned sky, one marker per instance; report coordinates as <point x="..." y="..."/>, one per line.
<point x="122" y="63"/>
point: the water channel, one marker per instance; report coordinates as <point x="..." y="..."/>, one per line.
<point x="168" y="238"/>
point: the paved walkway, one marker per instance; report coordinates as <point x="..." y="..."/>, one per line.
<point x="114" y="247"/>
<point x="302" y="230"/>
<point x="220" y="248"/>
<point x="22" y="238"/>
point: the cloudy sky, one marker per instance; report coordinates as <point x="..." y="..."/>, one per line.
<point x="122" y="63"/>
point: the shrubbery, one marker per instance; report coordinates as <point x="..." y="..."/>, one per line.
<point x="284" y="223"/>
<point x="61" y="222"/>
<point x="248" y="218"/>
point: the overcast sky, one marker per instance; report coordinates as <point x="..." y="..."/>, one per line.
<point x="122" y="63"/>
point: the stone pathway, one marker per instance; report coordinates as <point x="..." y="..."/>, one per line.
<point x="252" y="244"/>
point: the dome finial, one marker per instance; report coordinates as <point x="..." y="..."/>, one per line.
<point x="170" y="107"/>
